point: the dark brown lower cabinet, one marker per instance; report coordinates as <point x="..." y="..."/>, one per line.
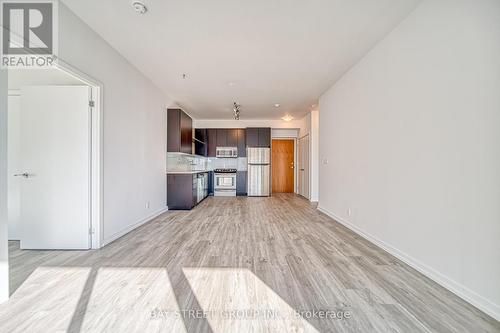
<point x="241" y="183"/>
<point x="182" y="191"/>
<point x="211" y="183"/>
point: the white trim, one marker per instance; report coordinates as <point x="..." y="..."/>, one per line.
<point x="458" y="289"/>
<point x="97" y="204"/>
<point x="96" y="158"/>
<point x="131" y="227"/>
<point x="4" y="249"/>
<point x="309" y="174"/>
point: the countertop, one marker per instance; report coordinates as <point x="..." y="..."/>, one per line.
<point x="184" y="172"/>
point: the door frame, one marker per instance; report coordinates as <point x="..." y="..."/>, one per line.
<point x="309" y="165"/>
<point x="295" y="174"/>
<point x="96" y="148"/>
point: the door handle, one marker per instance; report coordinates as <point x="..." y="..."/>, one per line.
<point x="25" y="175"/>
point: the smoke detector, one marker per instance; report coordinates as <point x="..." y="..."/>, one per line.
<point x="139" y="7"/>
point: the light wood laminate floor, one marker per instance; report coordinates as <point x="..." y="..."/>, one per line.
<point x="231" y="265"/>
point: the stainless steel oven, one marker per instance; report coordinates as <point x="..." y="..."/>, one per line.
<point x="225" y="182"/>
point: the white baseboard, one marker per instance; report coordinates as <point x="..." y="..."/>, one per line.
<point x="131" y="227"/>
<point x="458" y="289"/>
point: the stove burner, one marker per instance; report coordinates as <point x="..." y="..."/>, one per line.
<point x="225" y="170"/>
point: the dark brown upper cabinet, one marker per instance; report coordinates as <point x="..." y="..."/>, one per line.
<point x="258" y="137"/>
<point x="242" y="146"/>
<point x="179" y="131"/>
<point x="232" y="137"/>
<point x="221" y="138"/>
<point x="252" y="137"/>
<point x="265" y="137"/>
<point x="212" y="141"/>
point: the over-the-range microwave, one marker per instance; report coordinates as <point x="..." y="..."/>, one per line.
<point x="226" y="152"/>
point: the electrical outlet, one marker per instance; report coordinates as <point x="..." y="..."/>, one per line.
<point x="147" y="205"/>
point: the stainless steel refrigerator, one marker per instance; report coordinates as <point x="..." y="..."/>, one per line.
<point x="259" y="171"/>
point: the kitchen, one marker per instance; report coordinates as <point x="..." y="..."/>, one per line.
<point x="220" y="162"/>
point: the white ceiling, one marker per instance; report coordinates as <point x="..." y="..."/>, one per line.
<point x="257" y="52"/>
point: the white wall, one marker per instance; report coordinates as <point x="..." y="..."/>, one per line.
<point x="4" y="252"/>
<point x="305" y="125"/>
<point x="277" y="133"/>
<point x="134" y="127"/>
<point x="411" y="135"/>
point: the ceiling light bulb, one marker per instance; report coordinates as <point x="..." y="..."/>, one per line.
<point x="287" y="118"/>
<point x="139" y="7"/>
<point x="277" y="105"/>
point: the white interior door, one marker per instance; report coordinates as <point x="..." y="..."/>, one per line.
<point x="55" y="167"/>
<point x="304" y="166"/>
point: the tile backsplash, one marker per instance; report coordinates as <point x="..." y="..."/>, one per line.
<point x="239" y="163"/>
<point x="185" y="162"/>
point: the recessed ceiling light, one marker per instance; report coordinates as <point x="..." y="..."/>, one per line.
<point x="231" y="84"/>
<point x="277" y="105"/>
<point x="139" y="7"/>
<point x="287" y="118"/>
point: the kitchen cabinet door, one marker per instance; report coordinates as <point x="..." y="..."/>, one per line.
<point x="180" y="191"/>
<point x="174" y="130"/>
<point x="179" y="132"/>
<point x="241" y="183"/>
<point x="242" y="147"/>
<point x="186" y="133"/>
<point x="211" y="183"/>
<point x="212" y="141"/>
<point x="265" y="137"/>
<point x="252" y="137"/>
<point x="222" y="138"/>
<point x="232" y="137"/>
